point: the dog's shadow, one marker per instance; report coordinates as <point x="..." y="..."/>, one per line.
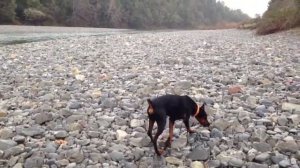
<point x="185" y="140"/>
<point x="158" y="162"/>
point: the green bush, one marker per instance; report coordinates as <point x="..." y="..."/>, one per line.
<point x="281" y="15"/>
<point x="7" y="11"/>
<point x="35" y="16"/>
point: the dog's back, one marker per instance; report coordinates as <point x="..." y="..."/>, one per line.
<point x="174" y="106"/>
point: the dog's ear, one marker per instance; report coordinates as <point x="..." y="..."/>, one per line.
<point x="150" y="108"/>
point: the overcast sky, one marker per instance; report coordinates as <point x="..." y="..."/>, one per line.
<point x="250" y="7"/>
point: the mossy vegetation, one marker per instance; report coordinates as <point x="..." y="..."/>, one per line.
<point x="137" y="14"/>
<point x="281" y="15"/>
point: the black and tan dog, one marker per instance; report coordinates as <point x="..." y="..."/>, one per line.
<point x="176" y="107"/>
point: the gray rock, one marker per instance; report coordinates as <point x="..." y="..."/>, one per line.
<point x="244" y="117"/>
<point x="41" y="118"/>
<point x="207" y="100"/>
<point x="264" y="121"/>
<point x="290" y="107"/>
<point x="242" y="136"/>
<point x="93" y="134"/>
<point x="6" y="133"/>
<point x="12" y="161"/>
<point x="34" y="162"/>
<point x="18" y="165"/>
<point x="121" y="121"/>
<point x="214" y="163"/>
<point x="96" y="157"/>
<point x="220" y="124"/>
<point x="6" y="144"/>
<point x="284" y="163"/>
<point x="75" y="155"/>
<point x="136" y="123"/>
<point x="31" y="131"/>
<point x="199" y="153"/>
<point x="295" y="119"/>
<point x="50" y="148"/>
<point x="71" y="165"/>
<point x="65" y="112"/>
<point x="215" y="133"/>
<point x="252" y="153"/>
<point x="150" y="161"/>
<point x="238" y="128"/>
<point x="63" y="162"/>
<point x="75" y="105"/>
<point x="261" y="110"/>
<point x="259" y="135"/>
<point x="116" y="156"/>
<point x="74" y="127"/>
<point x="184" y="84"/>
<point x="108" y="103"/>
<point x="235" y="162"/>
<point x="174" y="161"/>
<point x="266" y="102"/>
<point x="263" y="157"/>
<point x="256" y="165"/>
<point x="140" y="142"/>
<point x="19" y="139"/>
<point x="13" y="151"/>
<point x="289" y="146"/>
<point x="282" y="120"/>
<point x="251" y="101"/>
<point x="297" y="155"/>
<point x="179" y="143"/>
<point x="130" y="165"/>
<point x="277" y="158"/>
<point x="75" y="118"/>
<point x="138" y="153"/>
<point x="262" y="146"/>
<point x="83" y="142"/>
<point x="61" y="134"/>
<point x="204" y="134"/>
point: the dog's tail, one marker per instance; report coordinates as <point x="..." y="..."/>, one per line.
<point x="150" y="108"/>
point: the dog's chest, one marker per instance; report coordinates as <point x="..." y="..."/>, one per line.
<point x="177" y="115"/>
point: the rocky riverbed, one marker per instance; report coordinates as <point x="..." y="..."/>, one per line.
<point x="80" y="101"/>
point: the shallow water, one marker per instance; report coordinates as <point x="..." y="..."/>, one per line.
<point x="10" y="35"/>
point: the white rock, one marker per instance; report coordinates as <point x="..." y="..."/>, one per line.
<point x="197" y="164"/>
<point x="136" y="123"/>
<point x="121" y="135"/>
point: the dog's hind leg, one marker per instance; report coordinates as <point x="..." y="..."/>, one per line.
<point x="151" y="123"/>
<point x="171" y="133"/>
<point x="160" y="128"/>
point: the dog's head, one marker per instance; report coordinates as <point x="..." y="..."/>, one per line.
<point x="202" y="116"/>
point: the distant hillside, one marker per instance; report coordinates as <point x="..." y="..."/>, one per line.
<point x="281" y="15"/>
<point x="119" y="13"/>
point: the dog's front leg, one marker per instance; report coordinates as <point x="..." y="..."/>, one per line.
<point x="171" y="134"/>
<point x="160" y="128"/>
<point x="187" y="125"/>
<point x="151" y="124"/>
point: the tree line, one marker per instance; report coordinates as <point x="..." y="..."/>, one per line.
<point x="118" y="13"/>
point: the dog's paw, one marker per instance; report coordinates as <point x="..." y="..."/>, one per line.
<point x="167" y="144"/>
<point x="161" y="152"/>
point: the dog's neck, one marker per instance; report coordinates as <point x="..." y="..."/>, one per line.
<point x="197" y="110"/>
